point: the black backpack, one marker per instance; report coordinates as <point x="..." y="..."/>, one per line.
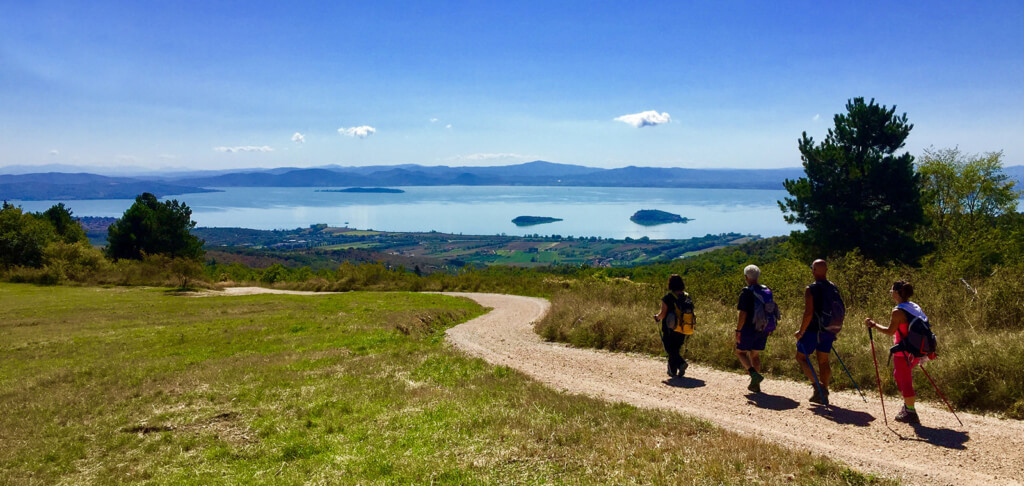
<point x="919" y="340"/>
<point x="833" y="311"/>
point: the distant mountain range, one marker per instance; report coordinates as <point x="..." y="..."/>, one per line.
<point x="537" y="173"/>
<point x="64" y="186"/>
<point x="59" y="185"/>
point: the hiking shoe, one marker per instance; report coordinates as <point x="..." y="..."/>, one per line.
<point x="755" y="382"/>
<point x="671" y="372"/>
<point x="682" y="368"/>
<point x="819" y="398"/>
<point x="908" y="416"/>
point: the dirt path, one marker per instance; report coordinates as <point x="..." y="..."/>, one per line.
<point x="984" y="451"/>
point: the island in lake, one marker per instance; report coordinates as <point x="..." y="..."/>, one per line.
<point x="381" y="190"/>
<point x="533" y="220"/>
<point x="653" y="217"/>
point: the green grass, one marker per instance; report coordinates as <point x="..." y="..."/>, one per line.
<point x="980" y="332"/>
<point x="113" y="385"/>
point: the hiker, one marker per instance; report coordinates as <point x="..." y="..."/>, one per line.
<point x="812" y="337"/>
<point x="903" y="362"/>
<point x="675" y="328"/>
<point x="758" y="315"/>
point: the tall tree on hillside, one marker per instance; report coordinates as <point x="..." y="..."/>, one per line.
<point x="151" y="227"/>
<point x="23" y="237"/>
<point x="858" y="193"/>
<point x="69" y="230"/>
<point x="971" y="207"/>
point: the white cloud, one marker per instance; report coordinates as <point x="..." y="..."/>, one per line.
<point x="448" y="125"/>
<point x="243" y="148"/>
<point x="168" y="156"/>
<point x="434" y="120"/>
<point x="647" y="118"/>
<point x="299" y="138"/>
<point x="816" y="117"/>
<point x="360" y="132"/>
<point x="55" y="152"/>
<point x="127" y="158"/>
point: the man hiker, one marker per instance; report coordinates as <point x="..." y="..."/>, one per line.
<point x="812" y="338"/>
<point x="673" y="336"/>
<point x="749" y="340"/>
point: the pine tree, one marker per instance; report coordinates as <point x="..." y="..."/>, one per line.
<point x="858" y="192"/>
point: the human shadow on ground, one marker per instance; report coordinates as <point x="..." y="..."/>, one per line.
<point x="843" y="416"/>
<point x="684" y="382"/>
<point x="771" y="402"/>
<point x="948" y="438"/>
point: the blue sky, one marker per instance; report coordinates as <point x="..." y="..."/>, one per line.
<point x="227" y="85"/>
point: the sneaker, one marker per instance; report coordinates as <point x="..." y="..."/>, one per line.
<point x="908" y="416"/>
<point x="755" y="382"/>
<point x="682" y="367"/>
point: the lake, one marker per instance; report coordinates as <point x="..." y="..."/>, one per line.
<point x="585" y="211"/>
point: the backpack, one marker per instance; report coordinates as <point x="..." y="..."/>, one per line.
<point x="833" y="311"/>
<point x="683" y="307"/>
<point x="919" y="340"/>
<point x="766" y="311"/>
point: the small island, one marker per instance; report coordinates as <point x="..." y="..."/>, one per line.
<point x="533" y="220"/>
<point x="380" y="190"/>
<point x="653" y="217"/>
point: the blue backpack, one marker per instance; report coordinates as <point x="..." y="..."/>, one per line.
<point x="766" y="311"/>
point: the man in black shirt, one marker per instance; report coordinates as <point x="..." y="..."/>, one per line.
<point x="812" y="338"/>
<point x="749" y="341"/>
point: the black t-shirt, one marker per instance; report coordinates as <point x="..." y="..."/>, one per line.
<point x="816" y="289"/>
<point x="746" y="304"/>
<point x="670" y="301"/>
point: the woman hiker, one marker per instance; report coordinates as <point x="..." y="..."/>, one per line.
<point x="904" y="362"/>
<point x="676" y="300"/>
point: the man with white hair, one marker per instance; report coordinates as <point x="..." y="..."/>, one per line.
<point x="749" y="341"/>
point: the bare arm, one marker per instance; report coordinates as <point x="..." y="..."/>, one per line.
<point x="808" y="312"/>
<point x="739" y="324"/>
<point x="664" y="311"/>
<point x="895" y="319"/>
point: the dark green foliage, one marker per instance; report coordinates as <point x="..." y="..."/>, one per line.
<point x="972" y="210"/>
<point x="64" y="224"/>
<point x="150" y="227"/>
<point x="858" y="192"/>
<point x="23" y="237"/>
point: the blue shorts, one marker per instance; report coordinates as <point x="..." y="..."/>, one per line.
<point x="815" y="341"/>
<point x="752" y="340"/>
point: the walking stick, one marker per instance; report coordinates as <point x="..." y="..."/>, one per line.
<point x="943" y="397"/>
<point x="878" y="377"/>
<point x="847" y="370"/>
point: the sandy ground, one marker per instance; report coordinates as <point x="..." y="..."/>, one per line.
<point x="985" y="450"/>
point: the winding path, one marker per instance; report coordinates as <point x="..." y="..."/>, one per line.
<point x="985" y="450"/>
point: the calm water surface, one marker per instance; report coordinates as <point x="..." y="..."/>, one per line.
<point x="586" y="211"/>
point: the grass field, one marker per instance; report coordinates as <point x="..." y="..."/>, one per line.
<point x="112" y="385"/>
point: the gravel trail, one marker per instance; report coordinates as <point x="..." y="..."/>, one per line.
<point x="986" y="450"/>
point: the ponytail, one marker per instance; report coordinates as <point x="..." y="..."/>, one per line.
<point x="904" y="289"/>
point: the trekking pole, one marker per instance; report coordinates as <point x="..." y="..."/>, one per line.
<point x="817" y="386"/>
<point x="847" y="370"/>
<point x="878" y="377"/>
<point x="943" y="397"/>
